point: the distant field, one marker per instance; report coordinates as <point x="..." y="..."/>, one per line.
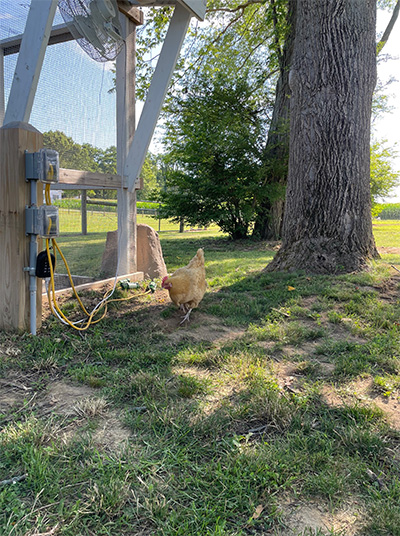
<point x="387" y="233"/>
<point x="70" y="222"/>
<point x="84" y="253"/>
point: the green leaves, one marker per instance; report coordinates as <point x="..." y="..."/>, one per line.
<point x="383" y="177"/>
<point x="215" y="135"/>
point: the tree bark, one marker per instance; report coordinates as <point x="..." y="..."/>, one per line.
<point x="327" y="225"/>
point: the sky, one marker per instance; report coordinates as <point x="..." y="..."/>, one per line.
<point x="74" y="90"/>
<point x="388" y="126"/>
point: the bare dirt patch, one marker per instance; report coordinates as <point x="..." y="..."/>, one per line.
<point x="389" y="250"/>
<point x="68" y="400"/>
<point x="14" y="390"/>
<point x="201" y="328"/>
<point x="363" y="391"/>
<point x="110" y="434"/>
<point x="62" y="397"/>
<point x="83" y="401"/>
<point x="304" y="350"/>
<point x="301" y="518"/>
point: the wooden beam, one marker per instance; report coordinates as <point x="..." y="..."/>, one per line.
<point x="30" y="60"/>
<point x="59" y="34"/>
<point x="134" y="14"/>
<point x="103" y="284"/>
<point x="72" y="179"/>
<point x="2" y="101"/>
<point x="196" y="7"/>
<point x="125" y="84"/>
<point x="156" y="94"/>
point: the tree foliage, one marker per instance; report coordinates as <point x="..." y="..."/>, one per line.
<point x="150" y="175"/>
<point x="83" y="157"/>
<point x="214" y="142"/>
<point x="383" y="178"/>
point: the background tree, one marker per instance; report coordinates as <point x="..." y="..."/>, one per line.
<point x="257" y="34"/>
<point x="149" y="175"/>
<point x="83" y="157"/>
<point x="327" y="223"/>
<point x="276" y="154"/>
<point x="383" y="178"/>
<point x="214" y="142"/>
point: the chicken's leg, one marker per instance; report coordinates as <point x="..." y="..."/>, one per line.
<point x="186" y="317"/>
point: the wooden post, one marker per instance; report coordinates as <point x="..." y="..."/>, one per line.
<point x="15" y="139"/>
<point x="125" y="76"/>
<point x="155" y="97"/>
<point x="2" y="105"/>
<point x="84" y="211"/>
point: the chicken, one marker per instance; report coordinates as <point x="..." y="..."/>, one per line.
<point x="187" y="285"/>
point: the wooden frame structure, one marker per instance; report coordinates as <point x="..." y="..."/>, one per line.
<point x="131" y="146"/>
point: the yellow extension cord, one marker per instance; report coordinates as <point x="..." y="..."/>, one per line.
<point x="51" y="288"/>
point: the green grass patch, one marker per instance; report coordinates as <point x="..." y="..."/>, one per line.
<point x="140" y="426"/>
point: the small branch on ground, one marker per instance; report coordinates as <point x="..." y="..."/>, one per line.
<point x="13" y="480"/>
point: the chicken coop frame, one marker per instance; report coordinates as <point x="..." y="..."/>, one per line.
<point x="17" y="136"/>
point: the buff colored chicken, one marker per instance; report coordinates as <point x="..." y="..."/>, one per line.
<point x="187" y="285"/>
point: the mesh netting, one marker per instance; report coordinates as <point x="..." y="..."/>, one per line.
<point x="75" y="94"/>
<point x="75" y="108"/>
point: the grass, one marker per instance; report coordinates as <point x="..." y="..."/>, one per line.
<point x="387" y="232"/>
<point x="275" y="411"/>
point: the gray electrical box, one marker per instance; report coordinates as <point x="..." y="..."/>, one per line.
<point x="42" y="221"/>
<point x="43" y="165"/>
<point x="48" y="222"/>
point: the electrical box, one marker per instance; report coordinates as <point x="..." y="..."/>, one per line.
<point x="43" y="165"/>
<point x="48" y="222"/>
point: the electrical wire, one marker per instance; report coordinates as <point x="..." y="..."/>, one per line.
<point x="51" y="292"/>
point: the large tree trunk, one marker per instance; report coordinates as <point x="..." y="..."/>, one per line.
<point x="268" y="224"/>
<point x="327" y="224"/>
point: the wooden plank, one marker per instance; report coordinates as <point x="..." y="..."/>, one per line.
<point x="14" y="244"/>
<point x="104" y="283"/>
<point x="73" y="179"/>
<point x="2" y="108"/>
<point x="196" y="7"/>
<point x="125" y="77"/>
<point x="59" y="34"/>
<point x="156" y="94"/>
<point x="134" y="14"/>
<point x="30" y="60"/>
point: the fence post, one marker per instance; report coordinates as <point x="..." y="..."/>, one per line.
<point x="15" y="139"/>
<point x="84" y="212"/>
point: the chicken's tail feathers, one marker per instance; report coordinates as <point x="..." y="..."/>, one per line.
<point x="197" y="260"/>
<point x="200" y="254"/>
